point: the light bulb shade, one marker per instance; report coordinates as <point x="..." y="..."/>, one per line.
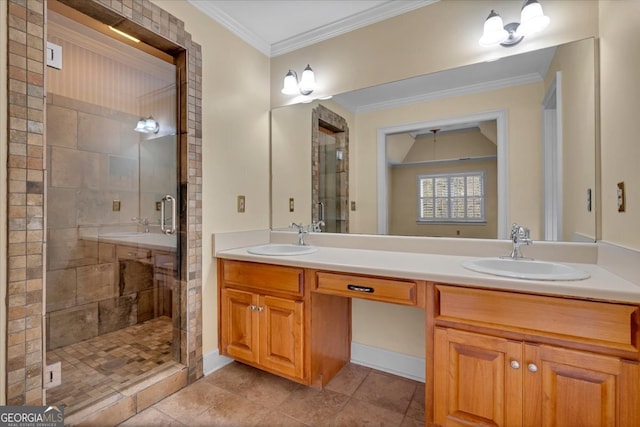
<point x="140" y="126"/>
<point x="290" y="86"/>
<point x="151" y="125"/>
<point x="494" y="32"/>
<point x="532" y="19"/>
<point x="148" y="125"/>
<point x="307" y="81"/>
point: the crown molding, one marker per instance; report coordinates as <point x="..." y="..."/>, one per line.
<point x="224" y="19"/>
<point x="350" y="23"/>
<point x="447" y="93"/>
<point x="371" y="16"/>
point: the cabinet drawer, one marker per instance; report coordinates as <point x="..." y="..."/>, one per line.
<point x="132" y="252"/>
<point x="264" y="277"/>
<point x="599" y="323"/>
<point x="373" y="288"/>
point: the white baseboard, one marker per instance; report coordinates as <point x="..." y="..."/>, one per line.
<point x="388" y="361"/>
<point x="213" y="361"/>
<point x="372" y="357"/>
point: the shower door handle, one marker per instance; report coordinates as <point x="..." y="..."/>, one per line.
<point x="321" y="215"/>
<point x="163" y="226"/>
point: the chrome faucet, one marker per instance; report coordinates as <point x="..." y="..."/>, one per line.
<point x="316" y="227"/>
<point x="142" y="221"/>
<point x="301" y="232"/>
<point x="519" y="237"/>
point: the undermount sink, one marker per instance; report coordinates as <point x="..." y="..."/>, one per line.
<point x="281" y="249"/>
<point x="117" y="234"/>
<point x="525" y="269"/>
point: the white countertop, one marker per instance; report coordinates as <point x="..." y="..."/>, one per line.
<point x="154" y="241"/>
<point x="602" y="285"/>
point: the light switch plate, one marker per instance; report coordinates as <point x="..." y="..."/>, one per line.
<point x="54" y="55"/>
<point x="115" y="206"/>
<point x="241" y="204"/>
<point x="621" y="197"/>
<point x="291" y="204"/>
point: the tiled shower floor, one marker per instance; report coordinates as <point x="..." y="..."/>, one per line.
<point x="103" y="366"/>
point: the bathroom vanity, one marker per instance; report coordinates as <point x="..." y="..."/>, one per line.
<point x="502" y="352"/>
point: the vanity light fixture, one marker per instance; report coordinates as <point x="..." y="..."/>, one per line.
<point x="148" y="125"/>
<point x="532" y="20"/>
<point x="306" y="86"/>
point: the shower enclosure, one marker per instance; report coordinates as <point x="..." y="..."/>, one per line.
<point x="330" y="170"/>
<point x="112" y="303"/>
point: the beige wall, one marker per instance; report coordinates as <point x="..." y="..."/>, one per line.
<point x="620" y="104"/>
<point x="291" y="164"/>
<point x="235" y="142"/>
<point x="576" y="62"/>
<point x="291" y="159"/>
<point x="436" y="37"/>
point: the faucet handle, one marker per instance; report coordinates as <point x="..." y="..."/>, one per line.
<point x="519" y="232"/>
<point x="515" y="228"/>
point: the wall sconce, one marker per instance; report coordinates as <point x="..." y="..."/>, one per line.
<point x="532" y="20"/>
<point x="306" y="86"/>
<point x="148" y="125"/>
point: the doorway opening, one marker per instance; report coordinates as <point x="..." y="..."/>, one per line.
<point x="384" y="164"/>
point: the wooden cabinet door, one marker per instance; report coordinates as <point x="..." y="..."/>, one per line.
<point x="573" y="388"/>
<point x="281" y="335"/>
<point x="239" y="324"/>
<point x="477" y="380"/>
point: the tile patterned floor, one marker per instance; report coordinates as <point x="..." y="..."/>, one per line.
<point x="102" y="366"/>
<point x="238" y="395"/>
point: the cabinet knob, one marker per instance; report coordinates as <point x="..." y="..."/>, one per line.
<point x="260" y="309"/>
<point x="515" y="364"/>
<point x="532" y="367"/>
<point x="252" y="307"/>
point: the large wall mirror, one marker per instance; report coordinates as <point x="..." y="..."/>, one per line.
<point x="459" y="153"/>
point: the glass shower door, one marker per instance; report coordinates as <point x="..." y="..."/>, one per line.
<point x="112" y="280"/>
<point x="332" y="200"/>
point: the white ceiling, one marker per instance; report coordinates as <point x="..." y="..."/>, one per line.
<point x="275" y="27"/>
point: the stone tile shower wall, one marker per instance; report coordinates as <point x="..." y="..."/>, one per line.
<point x="92" y="159"/>
<point x="26" y="188"/>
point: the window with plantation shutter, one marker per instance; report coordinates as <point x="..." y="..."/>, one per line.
<point x="456" y="197"/>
